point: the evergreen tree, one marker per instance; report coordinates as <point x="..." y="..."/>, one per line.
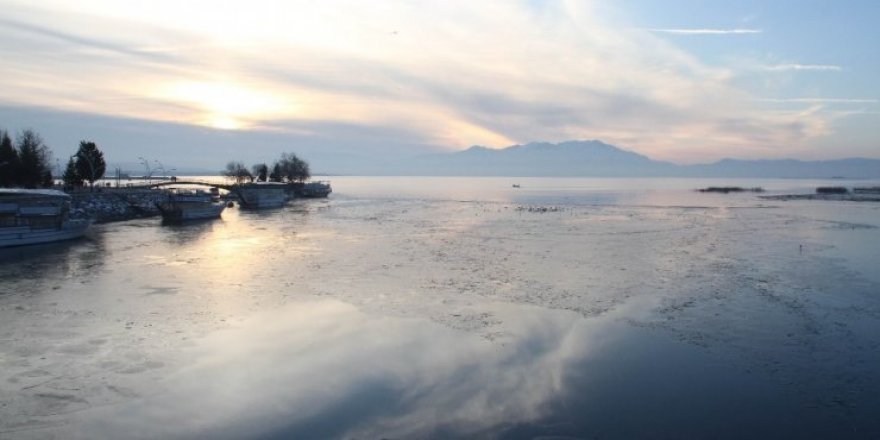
<point x="90" y="165"/>
<point x="71" y="175"/>
<point x="9" y="163"/>
<point x="261" y="172"/>
<point x="34" y="158"/>
<point x="276" y="175"/>
<point x="48" y="180"/>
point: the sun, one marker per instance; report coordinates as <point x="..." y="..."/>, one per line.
<point x="222" y="122"/>
<point x="224" y="105"/>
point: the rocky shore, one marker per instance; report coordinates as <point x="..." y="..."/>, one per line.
<point x="115" y="204"/>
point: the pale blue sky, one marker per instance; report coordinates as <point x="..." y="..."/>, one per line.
<point x="686" y="81"/>
<point x="842" y="34"/>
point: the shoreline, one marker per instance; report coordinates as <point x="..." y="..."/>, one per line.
<point x="852" y="197"/>
<point x="112" y="205"/>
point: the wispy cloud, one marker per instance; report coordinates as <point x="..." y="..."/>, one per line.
<point x="71" y="38"/>
<point x="453" y="73"/>
<point x="822" y="100"/>
<point x="807" y="67"/>
<point x="707" y="31"/>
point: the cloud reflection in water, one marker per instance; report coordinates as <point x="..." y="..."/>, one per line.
<point x="325" y="369"/>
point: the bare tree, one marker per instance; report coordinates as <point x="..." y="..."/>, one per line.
<point x="290" y="168"/>
<point x="237" y="171"/>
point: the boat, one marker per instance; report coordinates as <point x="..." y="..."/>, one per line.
<point x="188" y="204"/>
<point x="319" y="188"/>
<point x="36" y="216"/>
<point x="261" y="194"/>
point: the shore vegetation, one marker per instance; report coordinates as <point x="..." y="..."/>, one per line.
<point x="288" y="169"/>
<point x="730" y="189"/>
<point x="25" y="163"/>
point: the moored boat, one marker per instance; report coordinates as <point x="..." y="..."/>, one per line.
<point x="261" y="195"/>
<point x="35" y="216"/>
<point x="319" y="188"/>
<point x="185" y="204"/>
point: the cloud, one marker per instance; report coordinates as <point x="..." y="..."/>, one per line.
<point x="73" y="39"/>
<point x="822" y="100"/>
<point x="705" y="31"/>
<point x="813" y="67"/>
<point x="454" y="73"/>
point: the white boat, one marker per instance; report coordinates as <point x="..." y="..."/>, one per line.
<point x="186" y="204"/>
<point x="261" y="195"/>
<point x="315" y="189"/>
<point x="35" y="216"/>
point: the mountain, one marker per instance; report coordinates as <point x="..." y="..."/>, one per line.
<point x="598" y="159"/>
<point x="574" y="158"/>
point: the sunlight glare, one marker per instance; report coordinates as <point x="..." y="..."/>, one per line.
<point x="222" y="122"/>
<point x="224" y="105"/>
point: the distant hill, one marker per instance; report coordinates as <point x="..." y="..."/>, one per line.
<point x="789" y="168"/>
<point x="598" y="159"/>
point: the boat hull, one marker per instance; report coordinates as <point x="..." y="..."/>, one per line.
<point x="315" y="190"/>
<point x="261" y="196"/>
<point x="263" y="204"/>
<point x="184" y="212"/>
<point x="314" y="194"/>
<point x="22" y="236"/>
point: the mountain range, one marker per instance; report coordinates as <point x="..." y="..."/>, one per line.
<point x="597" y="159"/>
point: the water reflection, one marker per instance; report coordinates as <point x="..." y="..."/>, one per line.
<point x="38" y="265"/>
<point x="742" y="333"/>
<point x="185" y="233"/>
<point x="326" y="370"/>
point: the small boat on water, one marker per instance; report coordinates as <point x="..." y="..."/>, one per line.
<point x="35" y="216"/>
<point x="261" y="195"/>
<point x="318" y="188"/>
<point x="187" y="204"/>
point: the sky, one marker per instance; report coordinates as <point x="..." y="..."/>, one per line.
<point x="198" y="83"/>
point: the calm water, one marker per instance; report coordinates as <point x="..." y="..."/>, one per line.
<point x="456" y="308"/>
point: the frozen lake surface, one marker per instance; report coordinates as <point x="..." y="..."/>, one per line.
<point x="456" y="308"/>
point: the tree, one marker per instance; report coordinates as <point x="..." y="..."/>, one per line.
<point x="34" y="158"/>
<point x="298" y="170"/>
<point x="290" y="168"/>
<point x="90" y="165"/>
<point x="237" y="171"/>
<point x="71" y="175"/>
<point x="48" y="180"/>
<point x="9" y="163"/>
<point x="276" y="175"/>
<point x="260" y="171"/>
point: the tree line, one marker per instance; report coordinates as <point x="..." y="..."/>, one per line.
<point x="27" y="162"/>
<point x="289" y="168"/>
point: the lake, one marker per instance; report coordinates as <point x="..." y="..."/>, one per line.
<point x="408" y="307"/>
